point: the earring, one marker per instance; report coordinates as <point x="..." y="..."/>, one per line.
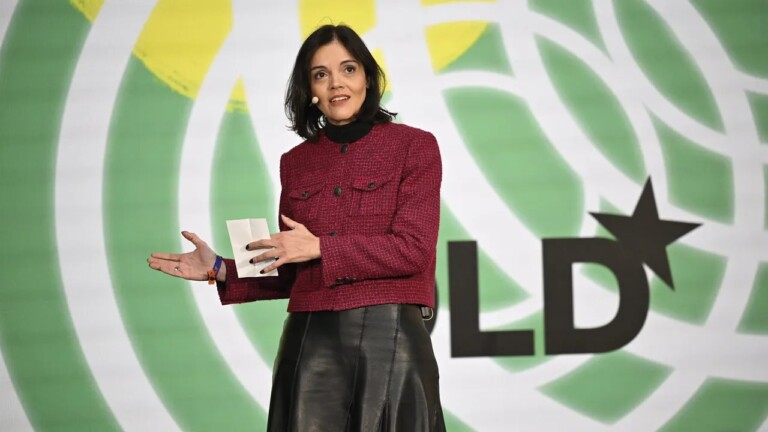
<point x="315" y="100"/>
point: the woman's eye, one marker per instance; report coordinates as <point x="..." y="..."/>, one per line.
<point x="319" y="75"/>
<point x="349" y="69"/>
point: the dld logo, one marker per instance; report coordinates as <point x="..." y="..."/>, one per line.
<point x="640" y="239"/>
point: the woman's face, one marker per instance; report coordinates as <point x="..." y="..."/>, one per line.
<point x="338" y="81"/>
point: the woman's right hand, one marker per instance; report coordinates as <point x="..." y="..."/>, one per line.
<point x="191" y="265"/>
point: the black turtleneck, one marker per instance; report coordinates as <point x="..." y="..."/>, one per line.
<point x="347" y="133"/>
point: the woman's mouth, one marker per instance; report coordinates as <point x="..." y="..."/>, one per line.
<point x="337" y="100"/>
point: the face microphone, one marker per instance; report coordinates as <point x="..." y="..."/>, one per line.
<point x="315" y="100"/>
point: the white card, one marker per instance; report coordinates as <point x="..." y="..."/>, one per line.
<point x="242" y="232"/>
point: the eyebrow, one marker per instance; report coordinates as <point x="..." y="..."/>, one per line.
<point x="343" y="61"/>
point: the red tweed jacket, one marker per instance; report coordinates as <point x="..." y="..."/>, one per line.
<point x="375" y="205"/>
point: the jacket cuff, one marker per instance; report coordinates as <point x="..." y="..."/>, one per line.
<point x="335" y="270"/>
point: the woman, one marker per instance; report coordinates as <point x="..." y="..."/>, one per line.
<point x="359" y="215"/>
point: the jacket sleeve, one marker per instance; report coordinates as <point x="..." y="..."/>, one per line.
<point x="410" y="245"/>
<point x="237" y="290"/>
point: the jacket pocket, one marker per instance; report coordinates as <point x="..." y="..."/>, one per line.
<point x="304" y="201"/>
<point x="373" y="195"/>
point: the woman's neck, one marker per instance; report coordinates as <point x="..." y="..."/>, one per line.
<point x="347" y="133"/>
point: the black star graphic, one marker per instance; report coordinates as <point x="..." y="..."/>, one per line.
<point x="645" y="235"/>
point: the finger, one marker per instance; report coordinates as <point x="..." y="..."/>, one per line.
<point x="261" y="244"/>
<point x="166" y="256"/>
<point x="167" y="267"/>
<point x="290" y="223"/>
<point x="272" y="266"/>
<point x="269" y="255"/>
<point x="158" y="264"/>
<point x="192" y="237"/>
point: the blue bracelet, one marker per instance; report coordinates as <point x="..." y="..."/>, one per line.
<point x="212" y="273"/>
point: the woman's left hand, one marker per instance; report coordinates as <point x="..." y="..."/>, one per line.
<point x="293" y="246"/>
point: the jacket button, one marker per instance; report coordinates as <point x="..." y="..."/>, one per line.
<point x="305" y="194"/>
<point x="332" y="233"/>
<point x="371" y="185"/>
<point x="344" y="148"/>
<point x="337" y="191"/>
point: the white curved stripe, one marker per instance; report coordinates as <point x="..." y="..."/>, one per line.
<point x="754" y="84"/>
<point x="556" y="121"/>
<point x="483" y="79"/>
<point x="194" y="214"/>
<point x="251" y="21"/>
<point x="582" y="158"/>
<point x="644" y="90"/>
<point x="6" y="13"/>
<point x="12" y="414"/>
<point x="749" y="188"/>
<point x="764" y="426"/>
<point x="79" y="225"/>
<point x="266" y="86"/>
<point x="714" y="64"/>
<point x="714" y="237"/>
<point x="719" y="73"/>
<point x="511" y="314"/>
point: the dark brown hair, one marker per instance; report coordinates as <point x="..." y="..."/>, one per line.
<point x="306" y="119"/>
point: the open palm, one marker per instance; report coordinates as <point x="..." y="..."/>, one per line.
<point x="191" y="265"/>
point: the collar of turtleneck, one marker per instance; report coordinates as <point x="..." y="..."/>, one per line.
<point x="347" y="133"/>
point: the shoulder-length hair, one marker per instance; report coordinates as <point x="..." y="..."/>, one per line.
<point x="306" y="119"/>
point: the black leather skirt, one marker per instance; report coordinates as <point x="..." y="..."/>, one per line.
<point x="366" y="369"/>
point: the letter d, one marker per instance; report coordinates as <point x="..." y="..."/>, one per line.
<point x="561" y="336"/>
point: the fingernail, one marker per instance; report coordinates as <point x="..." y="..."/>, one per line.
<point x="261" y="271"/>
<point x="250" y="260"/>
<point x="247" y="248"/>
